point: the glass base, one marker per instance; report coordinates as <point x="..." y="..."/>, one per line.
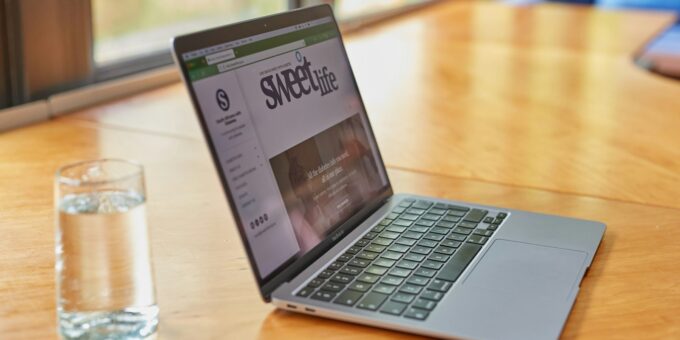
<point x="130" y="323"/>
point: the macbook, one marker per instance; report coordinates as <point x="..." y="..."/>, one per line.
<point x="323" y="230"/>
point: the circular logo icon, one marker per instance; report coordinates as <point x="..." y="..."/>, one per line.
<point x="298" y="56"/>
<point x="222" y="99"/>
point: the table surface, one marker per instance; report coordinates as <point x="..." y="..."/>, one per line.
<point x="537" y="108"/>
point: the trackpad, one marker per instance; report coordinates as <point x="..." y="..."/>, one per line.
<point x="530" y="270"/>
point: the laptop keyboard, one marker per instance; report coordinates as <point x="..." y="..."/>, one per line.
<point x="406" y="263"/>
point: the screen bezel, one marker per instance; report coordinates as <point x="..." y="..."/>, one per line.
<point x="219" y="35"/>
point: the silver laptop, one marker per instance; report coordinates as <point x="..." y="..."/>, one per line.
<point x="325" y="234"/>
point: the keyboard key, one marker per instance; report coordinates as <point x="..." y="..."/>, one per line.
<point x="400" y="272"/>
<point x="497" y="220"/>
<point x="370" y="235"/>
<point x="392" y="216"/>
<point x="455" y="213"/>
<point x="467" y="224"/>
<point x="426" y="272"/>
<point x="399" y="248"/>
<point x="315" y="283"/>
<point x="403" y="223"/>
<point x="325" y="274"/>
<point x="360" y="287"/>
<point x="348" y="298"/>
<point x="445" y="250"/>
<point x="382" y="241"/>
<point x="419" y="229"/>
<point x="335" y="265"/>
<point x="432" y="295"/>
<point x="395" y="229"/>
<point x="392" y="280"/>
<point x="451" y="243"/>
<point x="428" y="243"/>
<point x="385" y="222"/>
<point x="393" y="307"/>
<point x="378" y="228"/>
<point x="415" y="211"/>
<point x="409" y="217"/>
<point x="323" y="295"/>
<point x="425" y="222"/>
<point x="434" y="237"/>
<point x="362" y="243"/>
<point x="367" y="255"/>
<point x="445" y="224"/>
<point x="475" y="215"/>
<point x="440" y="285"/>
<point x="406" y="241"/>
<point x="332" y="287"/>
<point x="432" y="264"/>
<point x="384" y="289"/>
<point x="352" y="271"/>
<point x="439" y="230"/>
<point x="407" y="264"/>
<point x="431" y="217"/>
<point x="372" y="301"/>
<point x="456" y="237"/>
<point x="440" y="206"/>
<point x="406" y="203"/>
<point x="414" y="257"/>
<point x="359" y="263"/>
<point x="415" y="313"/>
<point x="342" y="278"/>
<point x="410" y="289"/>
<point x="375" y="248"/>
<point x="488" y="219"/>
<point x="450" y="218"/>
<point x="304" y="292"/>
<point x="392" y="255"/>
<point x="420" y="204"/>
<point x="387" y="263"/>
<point x="353" y="250"/>
<point x="478" y="239"/>
<point x="424" y="304"/>
<point x="368" y="278"/>
<point x="413" y="235"/>
<point x="459" y="261"/>
<point x="375" y="270"/>
<point x="418" y="280"/>
<point x="421" y="250"/>
<point x="437" y="211"/>
<point x="462" y="231"/>
<point x="403" y="297"/>
<point x="344" y="257"/>
<point x="492" y="227"/>
<point x="457" y="207"/>
<point x="502" y="215"/>
<point x="438" y="257"/>
<point x="390" y="235"/>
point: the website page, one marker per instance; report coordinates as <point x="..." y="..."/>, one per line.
<point x="290" y="134"/>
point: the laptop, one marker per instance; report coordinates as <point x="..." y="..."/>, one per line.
<point x="325" y="234"/>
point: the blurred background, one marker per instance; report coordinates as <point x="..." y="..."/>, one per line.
<point x="52" y="46"/>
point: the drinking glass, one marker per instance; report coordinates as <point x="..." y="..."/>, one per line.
<point x="103" y="268"/>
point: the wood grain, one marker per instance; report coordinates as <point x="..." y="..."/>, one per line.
<point x="539" y="96"/>
<point x="534" y="108"/>
<point x="204" y="285"/>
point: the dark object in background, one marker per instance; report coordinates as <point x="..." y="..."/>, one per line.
<point x="662" y="54"/>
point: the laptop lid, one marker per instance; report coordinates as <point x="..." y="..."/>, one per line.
<point x="288" y="133"/>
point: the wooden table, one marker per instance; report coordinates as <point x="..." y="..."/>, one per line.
<point x="537" y="108"/>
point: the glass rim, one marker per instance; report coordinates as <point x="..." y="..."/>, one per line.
<point x="70" y="181"/>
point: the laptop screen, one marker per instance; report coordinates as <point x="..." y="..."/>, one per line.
<point x="291" y="136"/>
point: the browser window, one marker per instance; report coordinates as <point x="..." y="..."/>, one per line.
<point x="291" y="136"/>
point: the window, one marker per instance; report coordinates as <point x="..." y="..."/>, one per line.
<point x="89" y="41"/>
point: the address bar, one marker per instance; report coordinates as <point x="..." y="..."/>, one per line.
<point x="226" y="66"/>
